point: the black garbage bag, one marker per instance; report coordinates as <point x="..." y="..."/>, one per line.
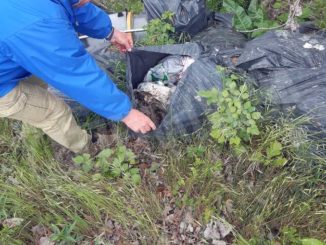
<point x="187" y="110"/>
<point x="190" y="15"/>
<point x="291" y="68"/>
<point x="220" y="41"/>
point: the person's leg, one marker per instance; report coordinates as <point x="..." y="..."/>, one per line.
<point x="34" y="105"/>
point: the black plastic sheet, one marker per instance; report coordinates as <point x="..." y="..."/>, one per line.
<point x="291" y="69"/>
<point x="220" y="41"/>
<point x="190" y="15"/>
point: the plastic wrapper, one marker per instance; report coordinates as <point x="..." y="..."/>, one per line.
<point x="169" y="71"/>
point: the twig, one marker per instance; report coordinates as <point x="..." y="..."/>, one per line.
<point x="262" y="29"/>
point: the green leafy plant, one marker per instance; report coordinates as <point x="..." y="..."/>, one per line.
<point x="64" y="235"/>
<point x="117" y="163"/>
<point x="135" y="6"/>
<point x="281" y="12"/>
<point x="290" y="236"/>
<point x="272" y="155"/>
<point x="236" y="117"/>
<point x="318" y="13"/>
<point x="159" y="31"/>
<point x="254" y="20"/>
<point x="216" y="5"/>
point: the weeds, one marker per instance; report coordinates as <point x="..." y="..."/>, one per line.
<point x="159" y="31"/>
<point x="111" y="164"/>
<point x="235" y="119"/>
<point x="41" y="191"/>
<point x="318" y="10"/>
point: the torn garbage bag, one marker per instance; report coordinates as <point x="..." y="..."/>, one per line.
<point x="189" y="15"/>
<point x="291" y="69"/>
<point x="186" y="110"/>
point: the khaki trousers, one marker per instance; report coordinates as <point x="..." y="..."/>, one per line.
<point x="31" y="103"/>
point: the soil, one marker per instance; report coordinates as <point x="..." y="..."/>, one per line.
<point x="150" y="106"/>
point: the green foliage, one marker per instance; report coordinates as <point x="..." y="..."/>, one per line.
<point x="311" y="241"/>
<point x="249" y="20"/>
<point x="159" y="31"/>
<point x="216" y="5"/>
<point x="281" y="12"/>
<point x="318" y="13"/>
<point x="271" y="155"/>
<point x="135" y="6"/>
<point x="117" y="163"/>
<point x="65" y="235"/>
<point x="290" y="236"/>
<point x="235" y="120"/>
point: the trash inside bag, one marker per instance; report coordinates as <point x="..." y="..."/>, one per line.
<point x="160" y="92"/>
<point x="160" y="83"/>
<point x="291" y="69"/>
<point x="185" y="111"/>
<point x="169" y="71"/>
<point x="190" y="15"/>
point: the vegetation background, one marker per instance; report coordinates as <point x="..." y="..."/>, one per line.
<point x="265" y="185"/>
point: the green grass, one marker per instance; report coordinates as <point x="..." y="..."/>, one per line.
<point x="199" y="174"/>
<point x="41" y="191"/>
<point x="265" y="199"/>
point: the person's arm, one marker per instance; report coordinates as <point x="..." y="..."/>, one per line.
<point x="92" y="21"/>
<point x="51" y="50"/>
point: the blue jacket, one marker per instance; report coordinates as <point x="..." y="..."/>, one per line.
<point x="39" y="37"/>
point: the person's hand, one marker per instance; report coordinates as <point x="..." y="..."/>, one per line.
<point x="139" y="122"/>
<point x="122" y="41"/>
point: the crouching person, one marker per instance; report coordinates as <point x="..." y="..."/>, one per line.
<point x="39" y="45"/>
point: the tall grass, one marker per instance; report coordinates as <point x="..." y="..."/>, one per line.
<point x="41" y="191"/>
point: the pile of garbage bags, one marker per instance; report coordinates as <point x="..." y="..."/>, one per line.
<point x="164" y="81"/>
<point x="288" y="67"/>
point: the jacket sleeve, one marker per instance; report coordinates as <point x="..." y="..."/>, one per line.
<point x="92" y="21"/>
<point x="51" y="50"/>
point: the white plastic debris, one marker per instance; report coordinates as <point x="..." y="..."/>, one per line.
<point x="169" y="71"/>
<point x="159" y="92"/>
<point x="12" y="222"/>
<point x="319" y="47"/>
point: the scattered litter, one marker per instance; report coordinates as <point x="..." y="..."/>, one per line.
<point x="12" y="223"/>
<point x="45" y="241"/>
<point x="217" y="230"/>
